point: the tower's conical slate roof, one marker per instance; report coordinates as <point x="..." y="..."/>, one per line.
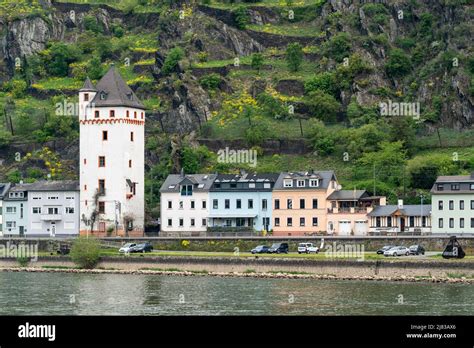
<point x="88" y="86"/>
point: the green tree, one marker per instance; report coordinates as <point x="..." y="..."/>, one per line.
<point x="323" y="106"/>
<point x="398" y="63"/>
<point x="241" y="17"/>
<point x="85" y="252"/>
<point x="257" y="61"/>
<point x="338" y="47"/>
<point x="294" y="56"/>
<point x="172" y="60"/>
<point x="95" y="69"/>
<point x="58" y="56"/>
<point x="325" y="82"/>
<point x="321" y="138"/>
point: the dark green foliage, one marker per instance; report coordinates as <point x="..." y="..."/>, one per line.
<point x="172" y="60"/>
<point x="241" y="17"/>
<point x="323" y="106"/>
<point x="91" y="23"/>
<point x="210" y="82"/>
<point x="257" y="61"/>
<point x="255" y="135"/>
<point x="325" y="82"/>
<point x="398" y="63"/>
<point x="272" y="107"/>
<point x="58" y="56"/>
<point x="338" y="47"/>
<point x="294" y="56"/>
<point x="85" y="252"/>
<point x="194" y="159"/>
<point x="322" y="139"/>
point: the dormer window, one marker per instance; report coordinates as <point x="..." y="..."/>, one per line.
<point x="130" y="96"/>
<point x="186" y="190"/>
<point x="440" y="187"/>
<point x="455" y="187"/>
<point x="103" y="95"/>
<point x="300" y="183"/>
<point x="288" y="183"/>
<point x="314" y="182"/>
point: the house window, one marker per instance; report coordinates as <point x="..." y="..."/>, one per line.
<point x="53" y="197"/>
<point x="251" y="185"/>
<point x="102" y="96"/>
<point x="472" y="222"/>
<point x="289" y="222"/>
<point x="451" y="223"/>
<point x="461" y="205"/>
<point x="36" y="210"/>
<point x="215" y="204"/>
<point x="377" y="221"/>
<point x="128" y="113"/>
<point x="239" y="204"/>
<point x="69" y="210"/>
<point x="112" y="113"/>
<point x="315" y="221"/>
<point x="264" y="204"/>
<point x="131" y="136"/>
<point x="11" y="210"/>
<point x="181" y="222"/>
<point x="204" y="222"/>
<point x="170" y="204"/>
<point x="389" y="221"/>
<point x="240" y="222"/>
<point x="440" y="187"/>
<point x="302" y="221"/>
<point x="86" y="96"/>
<point x="315" y="203"/>
<point x="192" y="223"/>
<point x="461" y="223"/>
<point x="101" y="207"/>
<point x="186" y="190"/>
<point x="105" y="135"/>
<point x="277" y="222"/>
<point x="277" y="204"/>
<point x="250" y="203"/>
<point x="129" y="163"/>
<point x="451" y="205"/>
<point x="181" y="205"/>
<point x="471" y="186"/>
<point x="97" y="114"/>
<point x="101" y="161"/>
<point x="204" y="204"/>
<point x="227" y="204"/>
<point x="288" y="183"/>
<point x="11" y="224"/>
<point x="302" y="204"/>
<point x="170" y="222"/>
<point x="472" y="204"/>
<point x="228" y="223"/>
<point x="423" y="221"/>
<point x="289" y="204"/>
<point x="192" y="205"/>
<point x="412" y="221"/>
<point x="300" y="183"/>
<point x="101" y="186"/>
<point x="313" y="182"/>
<point x="455" y="187"/>
<point x="440" y="205"/>
<point x="440" y="223"/>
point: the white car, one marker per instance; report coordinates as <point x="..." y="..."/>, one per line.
<point x="127" y="247"/>
<point x="397" y="251"/>
<point x="307" y="248"/>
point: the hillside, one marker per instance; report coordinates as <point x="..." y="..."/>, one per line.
<point x="298" y="81"/>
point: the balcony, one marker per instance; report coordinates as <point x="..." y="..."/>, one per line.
<point x="351" y="210"/>
<point x="51" y="217"/>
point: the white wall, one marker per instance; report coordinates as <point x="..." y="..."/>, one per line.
<point x="186" y="213"/>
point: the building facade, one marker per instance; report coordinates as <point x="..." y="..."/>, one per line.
<point x="112" y="150"/>
<point x="185" y="203"/>
<point x="299" y="202"/>
<point x="4" y="187"/>
<point x="452" y="204"/>
<point x="394" y="219"/>
<point x="15" y="208"/>
<point x="241" y="202"/>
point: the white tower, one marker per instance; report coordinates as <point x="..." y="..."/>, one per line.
<point x="112" y="158"/>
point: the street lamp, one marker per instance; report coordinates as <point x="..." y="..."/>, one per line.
<point x="422" y="197"/>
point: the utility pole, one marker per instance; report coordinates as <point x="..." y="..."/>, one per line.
<point x="374" y="181"/>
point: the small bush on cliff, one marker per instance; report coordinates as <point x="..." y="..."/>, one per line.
<point x="172" y="60"/>
<point x="85" y="252"/>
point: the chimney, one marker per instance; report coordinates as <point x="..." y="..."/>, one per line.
<point x="472" y="175"/>
<point x="181" y="174"/>
<point x="400" y="204"/>
<point x="21" y="182"/>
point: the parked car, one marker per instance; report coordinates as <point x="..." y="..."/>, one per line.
<point x="127" y="248"/>
<point x="307" y="248"/>
<point x="397" y="251"/>
<point x="142" y="248"/>
<point x="63" y="249"/>
<point x="261" y="249"/>
<point x="385" y="248"/>
<point x="417" y="250"/>
<point x="279" y="248"/>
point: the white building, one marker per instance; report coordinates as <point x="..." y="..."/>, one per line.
<point x="112" y="150"/>
<point x="3" y="191"/>
<point x="185" y="203"/>
<point x="452" y="204"/>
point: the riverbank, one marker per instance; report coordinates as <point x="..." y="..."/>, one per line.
<point x="449" y="271"/>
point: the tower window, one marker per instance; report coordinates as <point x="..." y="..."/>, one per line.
<point x="101" y="161"/>
<point x="128" y="113"/>
<point x="96" y="114"/>
<point x="130" y="163"/>
<point x="112" y="113"/>
<point x="103" y="95"/>
<point x="102" y="186"/>
<point x="105" y="135"/>
<point x="86" y="97"/>
<point x="142" y="115"/>
<point x="101" y="207"/>
<point x="134" y="114"/>
<point x="85" y="161"/>
<point x="131" y="136"/>
<point x="85" y="187"/>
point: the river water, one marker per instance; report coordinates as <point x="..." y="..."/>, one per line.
<point x="113" y="294"/>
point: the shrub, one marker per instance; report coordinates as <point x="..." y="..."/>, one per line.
<point x="210" y="81"/>
<point x="85" y="252"/>
<point x="294" y="56"/>
<point x="255" y="135"/>
<point x="172" y="60"/>
<point x="257" y="61"/>
<point x="241" y="17"/>
<point x="398" y="63"/>
<point x="91" y="23"/>
<point x="338" y="47"/>
<point x="23" y="261"/>
<point x="325" y="82"/>
<point x="323" y="105"/>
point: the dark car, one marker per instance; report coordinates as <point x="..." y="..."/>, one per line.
<point x="417" y="250"/>
<point x="278" y="248"/>
<point x="261" y="249"/>
<point x="142" y="248"/>
<point x="63" y="249"/>
<point x="385" y="248"/>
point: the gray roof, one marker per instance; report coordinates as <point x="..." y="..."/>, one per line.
<point x="325" y="176"/>
<point x="464" y="184"/>
<point x="346" y="195"/>
<point x="225" y="182"/>
<point x="58" y="185"/>
<point x="116" y="91"/>
<point x="4" y="189"/>
<point x="173" y="181"/>
<point x="407" y="210"/>
<point x="88" y="86"/>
